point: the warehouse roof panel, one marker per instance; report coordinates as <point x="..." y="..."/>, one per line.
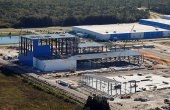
<point x="93" y="44"/>
<point x="163" y="21"/>
<point x="119" y="28"/>
<point x="118" y="53"/>
<point x="101" y="78"/>
<point x="48" y="36"/>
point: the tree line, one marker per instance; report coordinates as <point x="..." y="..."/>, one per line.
<point x="42" y="13"/>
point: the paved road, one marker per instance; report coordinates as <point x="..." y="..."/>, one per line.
<point x="52" y="83"/>
<point x="155" y="15"/>
<point x="157" y="53"/>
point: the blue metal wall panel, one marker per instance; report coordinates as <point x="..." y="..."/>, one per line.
<point x="112" y="36"/>
<point x="153" y="34"/>
<point x="123" y="36"/>
<point x="159" y="34"/>
<point x="147" y="35"/>
<point x="26" y="59"/>
<point x="40" y="50"/>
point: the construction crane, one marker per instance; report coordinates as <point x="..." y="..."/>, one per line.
<point x="11" y="28"/>
<point x="71" y="70"/>
<point x="129" y="35"/>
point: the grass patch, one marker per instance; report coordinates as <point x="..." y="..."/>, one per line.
<point x="9" y="44"/>
<point x="19" y="92"/>
<point x="14" y="34"/>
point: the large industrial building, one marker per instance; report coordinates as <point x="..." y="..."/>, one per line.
<point x="42" y="52"/>
<point x="145" y="29"/>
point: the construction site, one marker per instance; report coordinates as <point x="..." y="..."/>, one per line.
<point x="133" y="75"/>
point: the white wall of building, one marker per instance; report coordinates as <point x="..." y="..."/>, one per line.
<point x="93" y="34"/>
<point x="137" y="35"/>
<point x="39" y="65"/>
<point x="104" y="37"/>
<point x="166" y="33"/>
<point x="52" y="65"/>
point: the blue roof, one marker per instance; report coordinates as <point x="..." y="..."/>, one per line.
<point x="93" y="44"/>
<point x="48" y="36"/>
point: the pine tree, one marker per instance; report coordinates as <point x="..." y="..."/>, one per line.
<point x="96" y="103"/>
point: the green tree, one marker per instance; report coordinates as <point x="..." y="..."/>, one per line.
<point x="96" y="103"/>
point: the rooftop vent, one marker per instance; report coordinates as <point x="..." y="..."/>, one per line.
<point x="134" y="30"/>
<point x="107" y="32"/>
<point x="114" y="31"/>
<point x="156" y="29"/>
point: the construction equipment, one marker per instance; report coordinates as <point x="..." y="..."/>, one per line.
<point x="129" y="35"/>
<point x="126" y="97"/>
<point x="166" y="101"/>
<point x="71" y="70"/>
<point x="138" y="99"/>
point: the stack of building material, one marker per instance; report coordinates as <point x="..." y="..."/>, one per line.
<point x="89" y="72"/>
<point x="142" y="67"/>
<point x="138" y="46"/>
<point x="148" y="46"/>
<point x="124" y="68"/>
<point x="118" y="69"/>
<point x="83" y="72"/>
<point x="112" y="69"/>
<point x="105" y="70"/>
<point x="131" y="68"/>
<point x="97" y="71"/>
<point x="136" y="67"/>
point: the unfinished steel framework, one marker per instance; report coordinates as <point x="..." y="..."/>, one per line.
<point x="117" y="60"/>
<point x="106" y="85"/>
<point x="86" y="55"/>
<point x="68" y="45"/>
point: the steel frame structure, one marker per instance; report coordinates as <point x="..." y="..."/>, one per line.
<point x="112" y="85"/>
<point x="65" y="45"/>
<point x="111" y="61"/>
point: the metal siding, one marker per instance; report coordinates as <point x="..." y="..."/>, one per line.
<point x="166" y="33"/>
<point x="40" y="50"/>
<point x="137" y="35"/>
<point x="114" y="36"/>
<point x="52" y="65"/>
<point x="153" y="34"/>
<point x="160" y="34"/>
<point x="26" y="59"/>
<point x="123" y="36"/>
<point x="38" y="63"/>
<point x="147" y="35"/>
